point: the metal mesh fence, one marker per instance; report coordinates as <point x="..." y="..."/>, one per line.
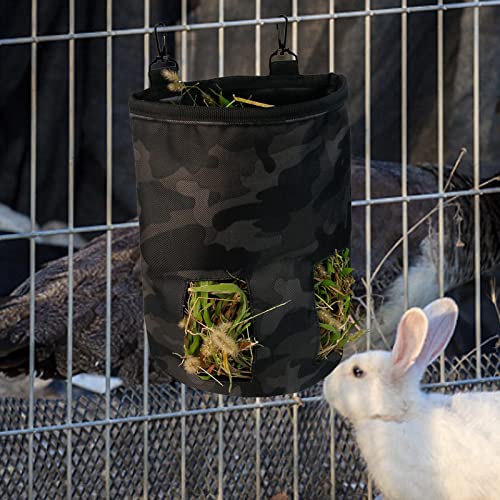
<point x="249" y="470"/>
<point x="169" y="441"/>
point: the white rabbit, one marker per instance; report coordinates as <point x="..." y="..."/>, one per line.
<point x="418" y="445"/>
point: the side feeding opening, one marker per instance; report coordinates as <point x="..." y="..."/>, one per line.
<point x="333" y="282"/>
<point x="219" y="339"/>
<point x="219" y="342"/>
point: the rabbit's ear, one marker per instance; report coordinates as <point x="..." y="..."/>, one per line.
<point x="442" y="315"/>
<point x="410" y="339"/>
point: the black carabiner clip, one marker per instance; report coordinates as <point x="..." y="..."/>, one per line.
<point x="282" y="43"/>
<point x="162" y="61"/>
<point x="284" y="52"/>
<point x="162" y="50"/>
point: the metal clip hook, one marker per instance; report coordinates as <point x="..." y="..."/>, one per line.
<point x="282" y="39"/>
<point x="162" y="50"/>
<point x="283" y="52"/>
<point x="162" y="60"/>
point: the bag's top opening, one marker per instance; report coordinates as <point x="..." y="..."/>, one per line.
<point x="292" y="97"/>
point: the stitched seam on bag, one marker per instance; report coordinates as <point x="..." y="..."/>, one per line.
<point x="258" y="122"/>
<point x="316" y="319"/>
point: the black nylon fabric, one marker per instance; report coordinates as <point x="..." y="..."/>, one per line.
<point x="262" y="194"/>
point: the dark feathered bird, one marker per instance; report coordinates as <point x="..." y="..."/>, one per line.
<point x="51" y="309"/>
<point x="89" y="319"/>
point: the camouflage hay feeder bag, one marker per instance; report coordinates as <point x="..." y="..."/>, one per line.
<point x="258" y="194"/>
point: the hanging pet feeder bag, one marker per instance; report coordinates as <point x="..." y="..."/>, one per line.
<point x="261" y="194"/>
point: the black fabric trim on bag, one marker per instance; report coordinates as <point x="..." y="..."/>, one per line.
<point x="146" y="104"/>
<point x="261" y="194"/>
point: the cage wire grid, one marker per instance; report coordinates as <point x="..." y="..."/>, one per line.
<point x="192" y="445"/>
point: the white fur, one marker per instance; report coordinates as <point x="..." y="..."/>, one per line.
<point x="418" y="445"/>
<point x="423" y="287"/>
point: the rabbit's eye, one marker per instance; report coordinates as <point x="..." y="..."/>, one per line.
<point x="357" y="372"/>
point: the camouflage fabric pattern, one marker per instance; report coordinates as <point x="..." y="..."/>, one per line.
<point x="262" y="202"/>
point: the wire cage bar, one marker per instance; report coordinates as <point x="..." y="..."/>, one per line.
<point x="147" y="441"/>
<point x="185" y="27"/>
